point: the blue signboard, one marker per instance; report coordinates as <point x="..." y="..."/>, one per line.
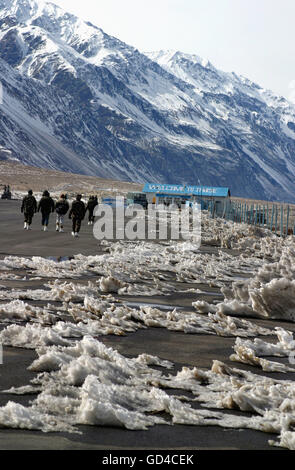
<point x="114" y="202"/>
<point x="184" y="190"/>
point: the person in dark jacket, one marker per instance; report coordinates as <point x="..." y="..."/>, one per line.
<point x="29" y="208"/>
<point x="61" y="209"/>
<point x="92" y="203"/>
<point x="77" y="214"/>
<point x="46" y="205"/>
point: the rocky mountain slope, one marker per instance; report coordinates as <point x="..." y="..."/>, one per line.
<point x="79" y="100"/>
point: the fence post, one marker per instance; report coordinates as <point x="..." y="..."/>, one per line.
<point x="287" y="223"/>
<point x="272" y="216"/>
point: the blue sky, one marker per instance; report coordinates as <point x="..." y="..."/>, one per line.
<point x="254" y="38"/>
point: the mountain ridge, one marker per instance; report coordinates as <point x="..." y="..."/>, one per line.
<point x="105" y="108"/>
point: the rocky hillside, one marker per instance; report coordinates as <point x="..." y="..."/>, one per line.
<point x="78" y="100"/>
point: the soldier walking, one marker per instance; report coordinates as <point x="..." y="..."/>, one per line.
<point x="46" y="205"/>
<point x="61" y="209"/>
<point x="29" y="208"/>
<point x="77" y="214"/>
<point x="92" y="203"/>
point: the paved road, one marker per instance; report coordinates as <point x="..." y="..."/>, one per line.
<point x="185" y="349"/>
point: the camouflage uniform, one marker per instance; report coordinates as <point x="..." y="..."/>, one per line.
<point x="77" y="214"/>
<point x="29" y="208"/>
<point x="92" y="203"/>
<point x="46" y="205"/>
<point x="61" y="208"/>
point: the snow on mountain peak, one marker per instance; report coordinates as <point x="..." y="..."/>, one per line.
<point x="170" y="57"/>
<point x="163" y="116"/>
<point x="22" y="10"/>
<point x="62" y="27"/>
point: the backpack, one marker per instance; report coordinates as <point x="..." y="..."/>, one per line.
<point x="62" y="207"/>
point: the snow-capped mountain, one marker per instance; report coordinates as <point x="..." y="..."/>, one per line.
<point x="80" y="100"/>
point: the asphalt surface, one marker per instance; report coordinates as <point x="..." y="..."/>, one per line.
<point x="182" y="349"/>
<point x="14" y="240"/>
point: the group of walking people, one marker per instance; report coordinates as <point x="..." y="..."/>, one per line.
<point x="46" y="206"/>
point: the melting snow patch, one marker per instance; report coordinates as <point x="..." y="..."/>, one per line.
<point x="81" y="381"/>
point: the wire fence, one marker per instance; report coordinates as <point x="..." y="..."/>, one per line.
<point x="279" y="218"/>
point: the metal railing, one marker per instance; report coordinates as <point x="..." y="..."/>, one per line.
<point x="279" y="218"/>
